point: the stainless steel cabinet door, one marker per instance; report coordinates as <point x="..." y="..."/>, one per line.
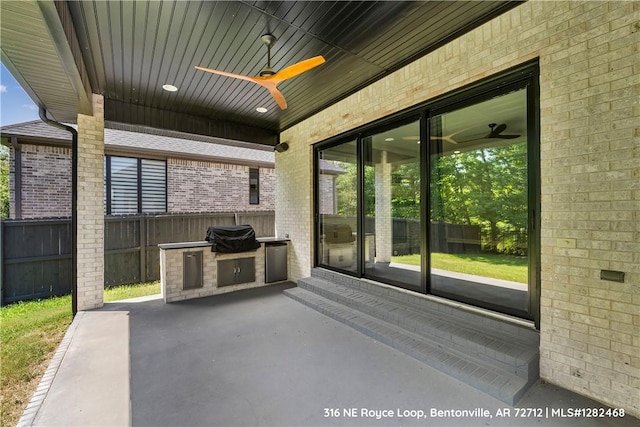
<point x="246" y="270"/>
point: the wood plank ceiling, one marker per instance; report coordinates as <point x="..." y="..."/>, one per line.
<point x="131" y="48"/>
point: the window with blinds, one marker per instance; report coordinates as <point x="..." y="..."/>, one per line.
<point x="254" y="186"/>
<point x="153" y="185"/>
<point x="135" y="185"/>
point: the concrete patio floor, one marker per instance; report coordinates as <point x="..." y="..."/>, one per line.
<point x="259" y="358"/>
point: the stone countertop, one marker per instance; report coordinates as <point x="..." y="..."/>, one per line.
<point x="204" y="243"/>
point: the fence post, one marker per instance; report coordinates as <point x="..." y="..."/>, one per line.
<point x="143" y="248"/>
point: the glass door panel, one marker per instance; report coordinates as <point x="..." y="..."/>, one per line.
<point x="479" y="233"/>
<point x="391" y="247"/>
<point x="338" y="206"/>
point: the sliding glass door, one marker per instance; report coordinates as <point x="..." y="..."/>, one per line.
<point x="479" y="204"/>
<point x="440" y="200"/>
<point x="337" y="201"/>
<point x="392" y="227"/>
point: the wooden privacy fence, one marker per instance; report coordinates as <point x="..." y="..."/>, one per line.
<point x="406" y="234"/>
<point x="36" y="254"/>
<point x="36" y="259"/>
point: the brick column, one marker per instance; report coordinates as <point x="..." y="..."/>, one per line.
<point x="90" y="241"/>
<point x="294" y="212"/>
<point x="384" y="222"/>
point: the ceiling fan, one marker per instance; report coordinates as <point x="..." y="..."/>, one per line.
<point x="270" y="79"/>
<point x="494" y="133"/>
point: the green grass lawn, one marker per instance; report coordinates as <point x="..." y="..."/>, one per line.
<point x="30" y="333"/>
<point x="131" y="291"/>
<point x="503" y="267"/>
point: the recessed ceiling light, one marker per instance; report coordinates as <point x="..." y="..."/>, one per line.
<point x="261" y="110"/>
<point x="389" y="139"/>
<point x="169" y="88"/>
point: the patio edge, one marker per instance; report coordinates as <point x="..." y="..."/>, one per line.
<point x="37" y="399"/>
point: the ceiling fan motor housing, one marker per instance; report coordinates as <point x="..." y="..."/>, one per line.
<point x="269" y="40"/>
<point x="267" y="71"/>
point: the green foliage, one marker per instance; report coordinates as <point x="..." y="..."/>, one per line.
<point x="4" y="182"/>
<point x="29" y="335"/>
<point x="347" y="189"/>
<point x="121" y="292"/>
<point x="485" y="187"/>
<point x="405" y="191"/>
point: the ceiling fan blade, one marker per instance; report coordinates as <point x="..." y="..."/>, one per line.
<point x="449" y="138"/>
<point x="468" y="140"/>
<point x="279" y="97"/>
<point x="271" y="86"/>
<point x="498" y="130"/>
<point x="224" y="73"/>
<point x="504" y="136"/>
<point x="297" y="69"/>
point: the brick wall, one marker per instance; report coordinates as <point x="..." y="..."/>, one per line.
<point x="46" y="177"/>
<point x="294" y="192"/>
<point x="590" y="85"/>
<point x="196" y="186"/>
<point x="193" y="186"/>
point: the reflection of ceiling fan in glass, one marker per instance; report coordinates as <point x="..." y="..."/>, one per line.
<point x="494" y="133"/>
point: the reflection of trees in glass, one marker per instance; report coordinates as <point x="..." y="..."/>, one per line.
<point x="347" y="189"/>
<point x="487" y="187"/>
<point x="405" y="191"/>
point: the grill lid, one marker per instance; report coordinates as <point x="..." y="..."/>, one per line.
<point x="232" y="238"/>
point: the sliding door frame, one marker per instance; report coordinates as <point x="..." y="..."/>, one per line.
<point x="533" y="185"/>
<point x="405" y="119"/>
<point x="527" y="76"/>
<point x="317" y="233"/>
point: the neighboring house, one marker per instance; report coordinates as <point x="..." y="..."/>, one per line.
<point x="148" y="171"/>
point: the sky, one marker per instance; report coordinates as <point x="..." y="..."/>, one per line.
<point x="15" y="104"/>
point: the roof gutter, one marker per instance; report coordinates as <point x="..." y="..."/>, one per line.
<point x="74" y="204"/>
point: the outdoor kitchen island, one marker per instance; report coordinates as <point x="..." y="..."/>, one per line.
<point x="191" y="270"/>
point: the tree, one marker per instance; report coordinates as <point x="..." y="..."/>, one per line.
<point x="4" y="182"/>
<point x="405" y="191"/>
<point x="486" y="187"/>
<point x="347" y="190"/>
